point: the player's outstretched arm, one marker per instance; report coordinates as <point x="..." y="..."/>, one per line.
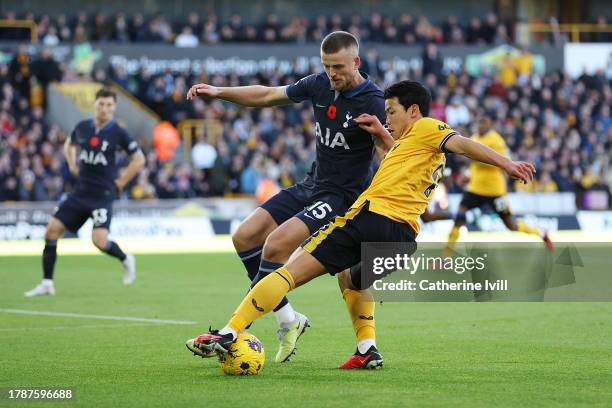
<point x="518" y="170"/>
<point x="254" y="95"/>
<point x="136" y="164"/>
<point x="70" y="153"/>
<point x="382" y="138"/>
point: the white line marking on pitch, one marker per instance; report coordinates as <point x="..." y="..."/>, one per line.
<point x="101" y="317"/>
<point x="83" y="326"/>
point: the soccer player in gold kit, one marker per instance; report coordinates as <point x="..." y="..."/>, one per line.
<point x="487" y="189"/>
<point x="387" y="211"/>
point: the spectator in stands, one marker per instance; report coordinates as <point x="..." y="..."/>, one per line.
<point x="457" y="114"/>
<point x="211" y="30"/>
<point x="474" y="34"/>
<point x="507" y="72"/>
<point x="120" y="29"/>
<point x="489" y="29"/>
<point x="193" y="22"/>
<point x="545" y="184"/>
<point x="165" y="141"/>
<point x="432" y="61"/>
<point x="142" y="189"/>
<point x="20" y="71"/>
<point x="203" y="154"/>
<point x="253" y="174"/>
<point x="51" y="38"/>
<point x="31" y="187"/>
<point x="604" y="35"/>
<point x="186" y="39"/>
<point x="46" y="69"/>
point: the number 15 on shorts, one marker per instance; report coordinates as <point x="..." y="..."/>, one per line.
<point x="319" y="210"/>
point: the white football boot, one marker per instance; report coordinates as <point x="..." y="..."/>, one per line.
<point x="45" y="288"/>
<point x="129" y="270"/>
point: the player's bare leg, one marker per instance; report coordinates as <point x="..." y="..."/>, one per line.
<point x="249" y="237"/>
<point x="261" y="299"/>
<point x="513" y="225"/>
<point x="276" y="251"/>
<point x="99" y="237"/>
<point x="453" y="236"/>
<point x="55" y="230"/>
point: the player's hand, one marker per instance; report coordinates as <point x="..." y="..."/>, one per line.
<point x="202" y="90"/>
<point x="522" y="171"/>
<point x="371" y="124"/>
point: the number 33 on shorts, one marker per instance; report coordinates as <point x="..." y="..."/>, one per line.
<point x="319" y="210"/>
<point x="99" y="216"/>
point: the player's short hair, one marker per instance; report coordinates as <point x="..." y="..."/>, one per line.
<point x="106" y="93"/>
<point x="339" y="40"/>
<point x="410" y="93"/>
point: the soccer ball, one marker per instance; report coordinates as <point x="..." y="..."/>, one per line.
<point x="246" y="356"/>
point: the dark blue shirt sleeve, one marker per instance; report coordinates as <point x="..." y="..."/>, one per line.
<point x="127" y="143"/>
<point x="302" y="90"/>
<point x="378" y="109"/>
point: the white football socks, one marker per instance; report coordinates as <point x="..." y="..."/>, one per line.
<point x="226" y="330"/>
<point x="364" y="345"/>
<point x="285" y="315"/>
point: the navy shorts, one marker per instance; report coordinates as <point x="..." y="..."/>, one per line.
<point x="338" y="245"/>
<point x="76" y="209"/>
<point x="314" y="208"/>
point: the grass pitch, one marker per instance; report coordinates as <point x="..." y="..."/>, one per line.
<point x="436" y="354"/>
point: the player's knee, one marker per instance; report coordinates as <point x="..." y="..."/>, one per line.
<point x="54" y="231"/>
<point x="246" y="237"/>
<point x="100" y="242"/>
<point x="276" y="249"/>
<point x="51" y="234"/>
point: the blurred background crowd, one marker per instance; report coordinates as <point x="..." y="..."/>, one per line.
<point x="195" y="29"/>
<point x="561" y="124"/>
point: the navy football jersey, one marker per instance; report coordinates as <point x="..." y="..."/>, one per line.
<point x="95" y="156"/>
<point x="344" y="151"/>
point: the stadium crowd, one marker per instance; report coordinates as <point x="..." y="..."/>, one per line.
<point x="562" y="125"/>
<point x="195" y="29"/>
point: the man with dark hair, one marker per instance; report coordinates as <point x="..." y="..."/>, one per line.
<point x="342" y="169"/>
<point x="387" y="211"/>
<point x="90" y="154"/>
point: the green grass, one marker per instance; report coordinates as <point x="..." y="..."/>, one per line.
<point x="436" y="354"/>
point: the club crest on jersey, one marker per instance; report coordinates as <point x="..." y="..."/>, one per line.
<point x="331" y="112"/>
<point x="91" y="157"/>
<point x="348" y="118"/>
<point x="94" y="141"/>
<point x="338" y="140"/>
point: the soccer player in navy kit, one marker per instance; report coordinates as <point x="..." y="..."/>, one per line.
<point x="342" y="170"/>
<point x="90" y="154"/>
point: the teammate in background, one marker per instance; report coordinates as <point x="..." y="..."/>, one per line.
<point x="90" y="154"/>
<point x="387" y="211"/>
<point x="342" y="170"/>
<point x="487" y="189"/>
